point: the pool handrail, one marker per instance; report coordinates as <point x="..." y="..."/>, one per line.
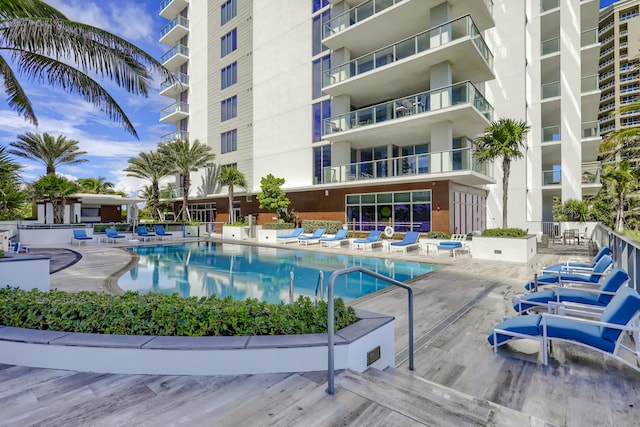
<point x="331" y="317"/>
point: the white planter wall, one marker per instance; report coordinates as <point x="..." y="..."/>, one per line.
<point x="271" y="236"/>
<point x="230" y="232"/>
<point x="25" y="272"/>
<point x="504" y="249"/>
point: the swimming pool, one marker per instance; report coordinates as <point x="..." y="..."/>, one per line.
<point x="241" y="271"/>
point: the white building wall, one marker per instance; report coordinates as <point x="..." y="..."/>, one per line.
<point x="282" y="67"/>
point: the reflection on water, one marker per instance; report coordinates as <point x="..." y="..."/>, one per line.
<point x="207" y="268"/>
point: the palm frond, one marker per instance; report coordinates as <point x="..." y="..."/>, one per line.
<point x="12" y="9"/>
<point x="73" y="81"/>
<point x="16" y="96"/>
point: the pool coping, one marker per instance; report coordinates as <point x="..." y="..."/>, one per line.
<point x="163" y="355"/>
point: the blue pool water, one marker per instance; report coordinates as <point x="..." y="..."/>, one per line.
<point x="207" y="268"/>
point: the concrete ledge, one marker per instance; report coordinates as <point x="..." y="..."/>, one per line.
<point x="133" y="354"/>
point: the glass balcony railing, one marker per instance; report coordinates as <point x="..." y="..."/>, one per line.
<point x="176" y="107"/>
<point x="548" y="5"/>
<point x="591" y="129"/>
<point x="180" y="20"/>
<point x="419" y="164"/>
<point x="551" y="133"/>
<point x="589" y="37"/>
<point x="355" y="15"/>
<point x="550" y="46"/>
<point x="425" y="102"/>
<point x="430" y="39"/>
<point x="180" y="77"/>
<point x="590" y="83"/>
<point x="177" y="49"/>
<point x="182" y="135"/>
<point x="550" y="90"/>
<point x="551" y="177"/>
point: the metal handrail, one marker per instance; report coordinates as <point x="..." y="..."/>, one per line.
<point x="331" y="317"/>
<point x="320" y="287"/>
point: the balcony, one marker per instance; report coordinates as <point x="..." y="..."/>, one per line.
<point x="547" y="5"/>
<point x="590" y="175"/>
<point x="550" y="46"/>
<point x="175" y="57"/>
<point x="172" y="88"/>
<point x="551" y="134"/>
<point x="551" y="177"/>
<point x="174" y="31"/>
<point x="457" y="41"/>
<point x="181" y="135"/>
<point x="459" y="165"/>
<point x="409" y="118"/>
<point x="174" y="112"/>
<point x="374" y="23"/>
<point x="550" y="90"/>
<point x="171" y="8"/>
<point x="590" y="130"/>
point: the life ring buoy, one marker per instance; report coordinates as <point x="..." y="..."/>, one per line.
<point x="388" y="231"/>
<point x="388" y="263"/>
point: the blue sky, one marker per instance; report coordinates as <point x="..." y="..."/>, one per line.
<point x="605" y="3"/>
<point x="108" y="144"/>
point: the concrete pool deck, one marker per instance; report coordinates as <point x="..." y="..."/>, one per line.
<point x="455" y="307"/>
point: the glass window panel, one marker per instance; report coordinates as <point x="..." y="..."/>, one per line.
<point x="421" y="196"/>
<point x="353" y="200"/>
<point x="384" y="198"/>
<point x="317" y="122"/>
<point x="402" y="197"/>
<point x="368" y="198"/>
<point x="405" y="49"/>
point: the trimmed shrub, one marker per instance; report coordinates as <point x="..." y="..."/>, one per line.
<point x="330" y="227"/>
<point x="164" y="315"/>
<point x="437" y="235"/>
<point x="278" y="226"/>
<point x="504" y="232"/>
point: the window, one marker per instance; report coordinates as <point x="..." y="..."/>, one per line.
<point x="321" y="160"/>
<point x="229" y="141"/>
<point x="319" y="4"/>
<point x="229" y="75"/>
<point x="320" y="111"/>
<point x="320" y="66"/>
<point x="318" y="23"/>
<point x="229" y="108"/>
<point x="230" y="165"/>
<point x="228" y="10"/>
<point x="228" y="43"/>
<point x="405" y="211"/>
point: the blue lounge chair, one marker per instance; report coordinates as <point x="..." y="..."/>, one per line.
<point x="80" y="236"/>
<point x="112" y="235"/>
<point x="454" y="245"/>
<point x="143" y="234"/>
<point x="337" y="240"/>
<point x="373" y="239"/>
<point x="603" y="335"/>
<point x="293" y="237"/>
<point x="161" y="233"/>
<point x="590" y="277"/>
<point x="314" y="238"/>
<point x="570" y="265"/>
<point x="609" y="285"/>
<point x="410" y="241"/>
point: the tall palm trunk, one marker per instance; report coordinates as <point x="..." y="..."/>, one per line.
<point x="186" y="187"/>
<point x="155" y="201"/>
<point x="231" y="212"/>
<point x="506" y="169"/>
<point x="620" y="214"/>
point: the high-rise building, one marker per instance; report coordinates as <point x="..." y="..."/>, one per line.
<point x="368" y="109"/>
<point x="619" y="65"/>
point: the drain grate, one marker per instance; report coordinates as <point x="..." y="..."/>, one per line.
<point x="403" y="355"/>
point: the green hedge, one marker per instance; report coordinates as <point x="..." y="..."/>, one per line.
<point x="330" y="227"/>
<point x="437" y="235"/>
<point x="504" y="232"/>
<point x="278" y="226"/>
<point x="164" y="315"/>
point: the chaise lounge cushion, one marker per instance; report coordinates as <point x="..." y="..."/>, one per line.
<point x="605" y="250"/>
<point x="529" y="325"/>
<point x="619" y="311"/>
<point x="592" y="277"/>
<point x="568" y="329"/>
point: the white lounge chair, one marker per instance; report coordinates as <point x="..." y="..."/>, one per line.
<point x="373" y="239"/>
<point x="337" y="240"/>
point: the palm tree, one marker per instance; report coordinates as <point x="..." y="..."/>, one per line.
<point x="98" y="185"/>
<point x="151" y="166"/>
<point x="56" y="189"/>
<point x="12" y="197"/>
<point x="186" y="157"/>
<point x="232" y="177"/>
<point x="620" y="183"/>
<point x="624" y="143"/>
<point x="502" y="139"/>
<point x="46" y="47"/>
<point x="47" y="150"/>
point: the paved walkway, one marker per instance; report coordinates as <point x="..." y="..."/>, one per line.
<point x="455" y="308"/>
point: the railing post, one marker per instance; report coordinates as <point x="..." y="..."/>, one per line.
<point x="291" y="300"/>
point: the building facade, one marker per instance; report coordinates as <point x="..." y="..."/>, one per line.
<point x="371" y="122"/>
<point x="618" y="67"/>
